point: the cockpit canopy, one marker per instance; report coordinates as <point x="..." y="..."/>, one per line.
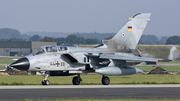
<point x="48" y="49"/>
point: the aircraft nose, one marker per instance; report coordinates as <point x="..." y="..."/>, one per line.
<point x="21" y="64"/>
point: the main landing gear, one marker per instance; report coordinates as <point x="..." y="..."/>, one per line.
<point x="76" y="80"/>
<point x="105" y="80"/>
<point x="45" y="81"/>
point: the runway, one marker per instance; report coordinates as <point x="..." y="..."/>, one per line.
<point x="90" y="92"/>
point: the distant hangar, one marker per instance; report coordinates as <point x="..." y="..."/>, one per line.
<point x="21" y="48"/>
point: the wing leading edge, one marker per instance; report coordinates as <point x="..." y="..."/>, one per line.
<point x="132" y="58"/>
<point x="129" y="58"/>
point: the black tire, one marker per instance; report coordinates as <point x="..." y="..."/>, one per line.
<point x="45" y="82"/>
<point x="105" y="80"/>
<point x="76" y="81"/>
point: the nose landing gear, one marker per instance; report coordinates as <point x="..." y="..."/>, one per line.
<point x="45" y="81"/>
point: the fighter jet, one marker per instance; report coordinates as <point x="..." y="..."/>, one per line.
<point x="111" y="58"/>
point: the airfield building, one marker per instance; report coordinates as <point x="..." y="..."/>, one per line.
<point x="21" y="48"/>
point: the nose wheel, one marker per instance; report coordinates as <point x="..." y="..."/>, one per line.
<point x="105" y="80"/>
<point x="45" y="82"/>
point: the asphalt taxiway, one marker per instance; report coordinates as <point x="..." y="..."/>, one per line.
<point x="90" y="92"/>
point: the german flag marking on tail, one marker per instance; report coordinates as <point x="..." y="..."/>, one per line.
<point x="129" y="28"/>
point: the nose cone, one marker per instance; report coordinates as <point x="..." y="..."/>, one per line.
<point x="21" y="64"/>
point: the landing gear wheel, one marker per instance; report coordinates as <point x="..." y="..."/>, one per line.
<point x="45" y="82"/>
<point x="76" y="80"/>
<point x="105" y="80"/>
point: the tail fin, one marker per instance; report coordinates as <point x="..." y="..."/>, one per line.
<point x="128" y="37"/>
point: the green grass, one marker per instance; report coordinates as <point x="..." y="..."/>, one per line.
<point x="103" y="100"/>
<point x="167" y="68"/>
<point x="2" y="67"/>
<point x="91" y="79"/>
<point x="7" y="60"/>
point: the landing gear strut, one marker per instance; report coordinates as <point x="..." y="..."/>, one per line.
<point x="105" y="80"/>
<point x="76" y="80"/>
<point x="45" y="81"/>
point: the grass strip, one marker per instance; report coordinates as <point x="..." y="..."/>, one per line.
<point x="2" y="68"/>
<point x="90" y="79"/>
<point x="7" y="60"/>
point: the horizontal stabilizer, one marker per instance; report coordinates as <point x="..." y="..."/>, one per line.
<point x="164" y="60"/>
<point x="132" y="58"/>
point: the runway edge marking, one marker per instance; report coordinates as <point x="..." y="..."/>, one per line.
<point x="88" y="86"/>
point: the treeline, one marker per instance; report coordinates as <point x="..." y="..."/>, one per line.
<point x="7" y="34"/>
<point x="149" y="39"/>
<point x="152" y="40"/>
<point x="12" y="35"/>
<point x="95" y="35"/>
<point x="69" y="40"/>
<point x="175" y="40"/>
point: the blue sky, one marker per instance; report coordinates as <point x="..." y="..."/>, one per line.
<point x="88" y="15"/>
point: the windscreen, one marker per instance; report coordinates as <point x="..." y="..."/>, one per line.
<point x="40" y="51"/>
